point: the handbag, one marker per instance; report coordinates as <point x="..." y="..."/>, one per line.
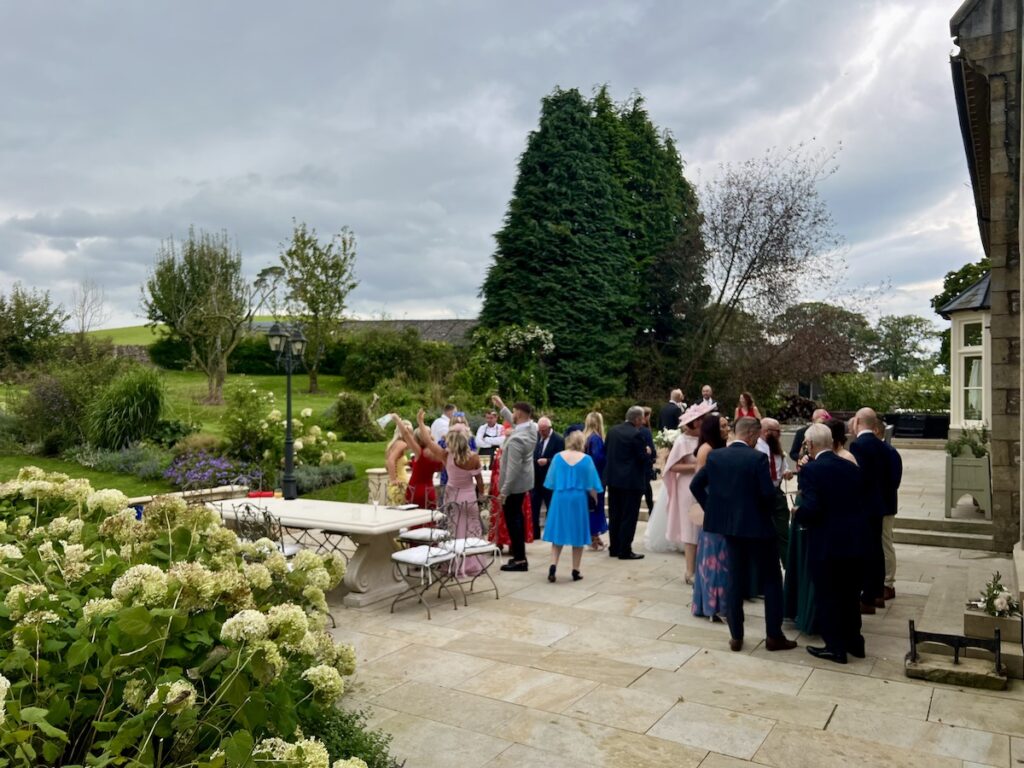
<point x="696" y="514"/>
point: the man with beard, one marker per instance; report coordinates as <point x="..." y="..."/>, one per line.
<point x="770" y="444"/>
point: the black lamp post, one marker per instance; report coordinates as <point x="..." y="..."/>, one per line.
<point x="289" y="344"/>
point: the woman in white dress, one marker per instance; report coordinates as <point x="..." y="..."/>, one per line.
<point x="669" y="528"/>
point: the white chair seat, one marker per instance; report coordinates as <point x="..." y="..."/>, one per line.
<point x="470" y="546"/>
<point x="423" y="555"/>
<point x="424" y="535"/>
<point x="289" y="550"/>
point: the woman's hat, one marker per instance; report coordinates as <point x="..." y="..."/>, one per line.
<point x="695" y="412"/>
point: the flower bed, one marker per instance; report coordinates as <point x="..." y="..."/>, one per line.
<point x="159" y="641"/>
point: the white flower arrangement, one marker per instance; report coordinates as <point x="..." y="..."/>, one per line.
<point x="996" y="600"/>
<point x="666" y="438"/>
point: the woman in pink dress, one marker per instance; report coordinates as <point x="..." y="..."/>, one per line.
<point x="679" y="468"/>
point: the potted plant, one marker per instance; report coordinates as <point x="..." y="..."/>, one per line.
<point x="969" y="471"/>
<point x="996" y="608"/>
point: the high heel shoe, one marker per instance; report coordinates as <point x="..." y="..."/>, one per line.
<point x="576" y="575"/>
<point x="551" y="574"/>
<point x="689" y="579"/>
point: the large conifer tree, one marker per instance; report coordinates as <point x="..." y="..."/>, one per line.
<point x="601" y="246"/>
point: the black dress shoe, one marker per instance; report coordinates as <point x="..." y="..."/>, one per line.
<point x="821" y="652"/>
<point x="631" y="556"/>
<point x="857" y="651"/>
<point x="513" y="565"/>
<point x="612" y="554"/>
<point x="735" y="644"/>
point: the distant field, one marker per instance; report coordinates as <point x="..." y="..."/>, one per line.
<point x="142" y="335"/>
<point x="134" y="335"/>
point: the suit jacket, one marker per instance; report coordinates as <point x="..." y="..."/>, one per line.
<point x="832" y="507"/>
<point x="668" y="416"/>
<point x="798" y="443"/>
<point x="895" y="478"/>
<point x="517" y="458"/>
<point x="652" y="451"/>
<point x="556" y="444"/>
<point x="625" y="458"/>
<point x="876" y="472"/>
<point x="735" y="488"/>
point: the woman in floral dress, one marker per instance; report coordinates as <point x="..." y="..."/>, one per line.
<point x="497" y="534"/>
<point x="712" y="574"/>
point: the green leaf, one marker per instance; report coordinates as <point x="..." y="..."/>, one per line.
<point x="135" y="622"/>
<point x="238" y="749"/>
<point x="37" y="717"/>
<point x="80" y="652"/>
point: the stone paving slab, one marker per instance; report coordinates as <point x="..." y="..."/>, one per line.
<point x="615" y="671"/>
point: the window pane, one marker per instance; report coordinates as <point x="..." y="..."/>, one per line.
<point x="972" y="389"/>
<point x="972" y="335"/>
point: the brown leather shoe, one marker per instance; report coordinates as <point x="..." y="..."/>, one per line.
<point x="779" y="644"/>
<point x="735" y="645"/>
<point x="867" y="609"/>
<point x="879" y="602"/>
<point x="888" y="593"/>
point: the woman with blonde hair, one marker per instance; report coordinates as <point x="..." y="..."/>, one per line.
<point x="573" y="481"/>
<point x="465" y="484"/>
<point x="593" y="446"/>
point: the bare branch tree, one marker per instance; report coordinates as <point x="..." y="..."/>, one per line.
<point x="770" y="239"/>
<point x="88" y="308"/>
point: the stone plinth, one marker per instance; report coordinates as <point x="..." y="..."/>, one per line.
<point x="971" y="673"/>
<point x="981" y="625"/>
<point x="377" y="485"/>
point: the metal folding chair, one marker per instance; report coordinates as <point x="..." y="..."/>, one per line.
<point x="467" y="538"/>
<point x="253" y="522"/>
<point x="420" y="567"/>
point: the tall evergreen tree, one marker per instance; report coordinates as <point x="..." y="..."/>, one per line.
<point x="601" y="245"/>
<point x="559" y="261"/>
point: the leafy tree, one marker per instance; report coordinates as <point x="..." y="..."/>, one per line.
<point x="30" y="327"/>
<point x="769" y="237"/>
<point x="559" y="262"/>
<point x="318" y="276"/>
<point x="899" y="345"/>
<point x="198" y="291"/>
<point x="953" y="284"/>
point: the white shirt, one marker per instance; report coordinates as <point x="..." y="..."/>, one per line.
<point x="490" y="437"/>
<point x="865" y="432"/>
<point x="439" y="428"/>
<point x="780" y="461"/>
<point x="709" y="401"/>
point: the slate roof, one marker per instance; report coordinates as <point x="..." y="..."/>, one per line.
<point x="974" y="297"/>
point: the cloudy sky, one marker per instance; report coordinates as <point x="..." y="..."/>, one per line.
<point x="123" y="123"/>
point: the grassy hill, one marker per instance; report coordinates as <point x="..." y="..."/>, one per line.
<point x="141" y="335"/>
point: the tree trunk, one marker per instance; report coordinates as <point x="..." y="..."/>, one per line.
<point x="215" y="384"/>
<point x="314" y="386"/>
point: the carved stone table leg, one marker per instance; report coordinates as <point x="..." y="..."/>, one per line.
<point x="371" y="576"/>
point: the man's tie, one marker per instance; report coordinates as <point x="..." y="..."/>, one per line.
<point x="771" y="463"/>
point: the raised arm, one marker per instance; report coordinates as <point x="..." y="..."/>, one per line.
<point x="432" y="449"/>
<point x="407" y="435"/>
<point x="506" y="414"/>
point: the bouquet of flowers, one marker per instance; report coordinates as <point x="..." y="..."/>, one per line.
<point x="996" y="600"/>
<point x="666" y="438"/>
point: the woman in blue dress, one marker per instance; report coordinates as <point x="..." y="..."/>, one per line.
<point x="574" y="481"/>
<point x="593" y="436"/>
<point x="712" y="575"/>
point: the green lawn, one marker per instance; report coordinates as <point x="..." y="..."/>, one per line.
<point x="135" y="335"/>
<point x="363" y="456"/>
<point x="186" y="390"/>
<point x="127" y="484"/>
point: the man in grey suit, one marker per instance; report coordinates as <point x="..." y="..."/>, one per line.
<point x="516" y="477"/>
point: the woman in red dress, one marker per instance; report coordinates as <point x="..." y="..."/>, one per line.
<point x="420" y="490"/>
<point x="498" y="532"/>
<point x="746" y="407"/>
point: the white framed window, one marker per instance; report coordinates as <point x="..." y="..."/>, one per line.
<point x="969" y="377"/>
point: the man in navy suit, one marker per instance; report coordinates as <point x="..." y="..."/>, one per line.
<point x="876" y="473"/>
<point x="832" y="507"/>
<point x="625" y="475"/>
<point x="735" y="488"/>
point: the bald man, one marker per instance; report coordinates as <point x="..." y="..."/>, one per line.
<point x="820" y="416"/>
<point x="770" y="444"/>
<point x="549" y="445"/>
<point x="876" y="473"/>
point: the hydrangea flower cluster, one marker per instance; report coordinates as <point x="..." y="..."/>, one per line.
<point x="176" y="697"/>
<point x="326" y="681"/>
<point x="144" y="584"/>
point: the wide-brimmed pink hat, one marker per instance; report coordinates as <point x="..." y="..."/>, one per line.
<point x="695" y="412"/>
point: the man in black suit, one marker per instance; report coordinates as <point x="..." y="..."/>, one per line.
<point x="549" y="443"/>
<point x="736" y="491"/>
<point x="820" y="416"/>
<point x="832" y="508"/>
<point x="876" y="474"/>
<point x="889" y="520"/>
<point x="625" y="475"/>
<point x="668" y="416"/>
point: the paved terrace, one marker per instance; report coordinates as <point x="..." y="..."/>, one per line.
<point x="614" y="671"/>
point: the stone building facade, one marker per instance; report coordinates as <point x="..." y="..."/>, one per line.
<point x="987" y="87"/>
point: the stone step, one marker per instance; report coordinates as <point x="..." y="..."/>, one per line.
<point x="1011" y="654"/>
<point x="971" y="673"/>
<point x="908" y="443"/>
<point x="944" y="525"/>
<point x="977" y="541"/>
